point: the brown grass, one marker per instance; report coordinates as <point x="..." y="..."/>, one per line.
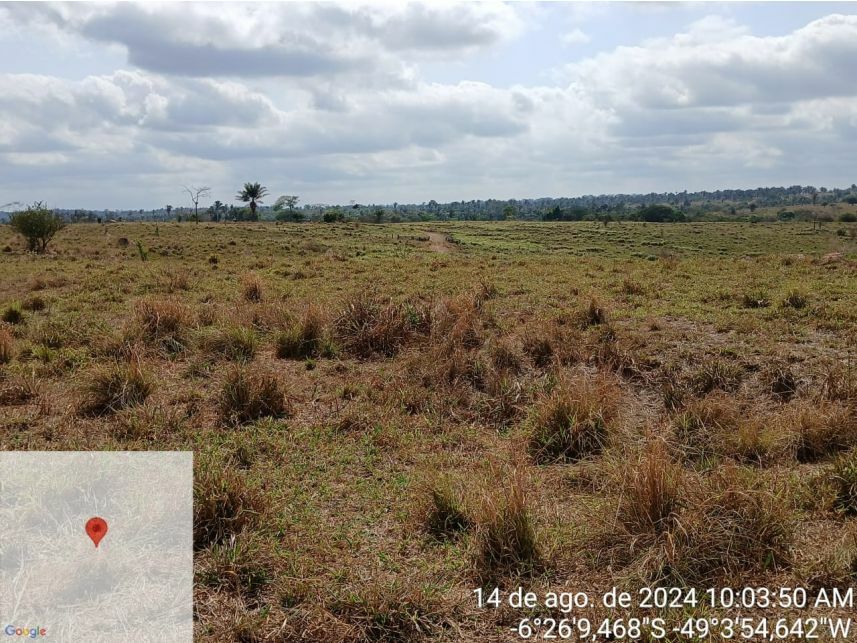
<point x="441" y="508"/>
<point x="252" y="289"/>
<point x="371" y="326"/>
<point x="7" y="346"/>
<point x="506" y="538"/>
<point x="652" y="493"/>
<point x="303" y="337"/>
<point x="247" y="395"/>
<point x="573" y="421"/>
<point x="163" y="323"/>
<point x="115" y="387"/>
<point x="734" y="525"/>
<point x="820" y="429"/>
<point x="224" y="503"/>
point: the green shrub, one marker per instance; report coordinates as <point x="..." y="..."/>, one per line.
<point x="38" y="225"/>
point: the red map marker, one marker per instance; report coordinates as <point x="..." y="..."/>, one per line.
<point x="96" y="529"/>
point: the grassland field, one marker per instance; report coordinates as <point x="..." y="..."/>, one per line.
<point x="385" y="417"/>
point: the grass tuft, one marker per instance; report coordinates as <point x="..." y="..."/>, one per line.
<point x="247" y="395"/>
<point x="572" y="422"/>
<point x="116" y="386"/>
<point x="506" y="537"/>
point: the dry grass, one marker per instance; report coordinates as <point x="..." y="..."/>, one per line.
<point x="397" y="613"/>
<point x="821" y="429"/>
<point x="252" y="289"/>
<point x="163" y="323"/>
<point x="734" y="525"/>
<point x="7" y="346"/>
<point x="844" y="479"/>
<point x="247" y="394"/>
<point x="506" y="538"/>
<point x="573" y="421"/>
<point x="303" y="337"/>
<point x="371" y="326"/>
<point x="115" y="387"/>
<point x="652" y="493"/>
<point x="224" y="503"/>
<point x="441" y="508"/>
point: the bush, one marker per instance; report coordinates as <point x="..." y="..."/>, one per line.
<point x="572" y="423"/>
<point x="38" y="225"/>
<point x="116" y="387"/>
<point x="247" y="395"/>
<point x="848" y="217"/>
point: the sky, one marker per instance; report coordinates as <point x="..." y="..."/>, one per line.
<point x="121" y="105"/>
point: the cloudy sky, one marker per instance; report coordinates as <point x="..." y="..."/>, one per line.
<point x="119" y="105"/>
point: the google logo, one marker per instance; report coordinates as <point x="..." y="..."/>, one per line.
<point x="31" y="632"/>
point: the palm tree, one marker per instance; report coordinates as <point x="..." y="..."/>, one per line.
<point x="252" y="193"/>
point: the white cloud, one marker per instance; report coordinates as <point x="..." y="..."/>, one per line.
<point x="575" y="37"/>
<point x="331" y="99"/>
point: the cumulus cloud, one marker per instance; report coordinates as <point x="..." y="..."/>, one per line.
<point x="575" y="37"/>
<point x="335" y="99"/>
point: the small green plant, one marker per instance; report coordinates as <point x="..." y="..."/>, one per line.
<point x="142" y="252"/>
<point x="14" y="313"/>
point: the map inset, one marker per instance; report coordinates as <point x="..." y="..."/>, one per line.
<point x="136" y="585"/>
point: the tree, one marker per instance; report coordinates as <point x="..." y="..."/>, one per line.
<point x="37" y="224"/>
<point x="169" y="209"/>
<point x="252" y="194"/>
<point x="196" y="194"/>
<point x="288" y="202"/>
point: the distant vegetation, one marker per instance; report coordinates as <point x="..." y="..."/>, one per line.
<point x="795" y="203"/>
